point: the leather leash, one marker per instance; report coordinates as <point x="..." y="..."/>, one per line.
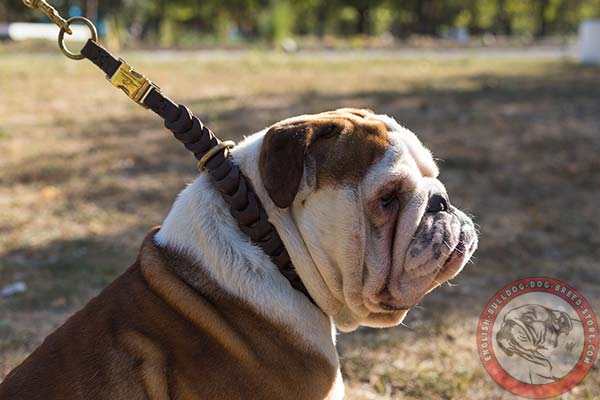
<point x="212" y="154"/>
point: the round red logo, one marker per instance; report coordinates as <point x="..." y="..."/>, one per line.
<point x="537" y="337"/>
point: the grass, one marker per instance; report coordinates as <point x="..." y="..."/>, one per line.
<point x="84" y="174"/>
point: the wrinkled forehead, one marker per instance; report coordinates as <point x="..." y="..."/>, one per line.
<point x="356" y="116"/>
<point x="405" y="146"/>
<point x="405" y="160"/>
<point x="366" y="144"/>
<point x="536" y="310"/>
<point x="401" y="141"/>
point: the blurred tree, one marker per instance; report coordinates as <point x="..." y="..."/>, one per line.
<point x="503" y="20"/>
<point x="169" y="22"/>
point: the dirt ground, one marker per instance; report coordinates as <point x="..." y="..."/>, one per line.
<point x="84" y="174"/>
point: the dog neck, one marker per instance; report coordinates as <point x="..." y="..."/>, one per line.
<point x="247" y="155"/>
<point x="200" y="226"/>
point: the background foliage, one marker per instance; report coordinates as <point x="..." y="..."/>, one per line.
<point x="516" y="138"/>
<point x="179" y="22"/>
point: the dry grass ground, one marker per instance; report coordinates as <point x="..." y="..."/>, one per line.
<point x="84" y="174"/>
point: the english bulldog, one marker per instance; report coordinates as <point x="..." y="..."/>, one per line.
<point x="528" y="331"/>
<point x="204" y="314"/>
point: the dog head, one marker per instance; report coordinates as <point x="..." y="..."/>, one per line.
<point x="530" y="328"/>
<point x="377" y="225"/>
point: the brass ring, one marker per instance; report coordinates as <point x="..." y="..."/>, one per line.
<point x="61" y="37"/>
<point x="228" y="144"/>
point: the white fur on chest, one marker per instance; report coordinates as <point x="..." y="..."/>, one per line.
<point x="201" y="226"/>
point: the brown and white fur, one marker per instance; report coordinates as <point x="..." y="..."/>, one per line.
<point x="329" y="237"/>
<point x="364" y="260"/>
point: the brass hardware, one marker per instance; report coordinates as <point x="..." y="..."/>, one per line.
<point x="61" y="37"/>
<point x="50" y="12"/>
<point x="228" y="144"/>
<point x="135" y="85"/>
<point x="64" y="25"/>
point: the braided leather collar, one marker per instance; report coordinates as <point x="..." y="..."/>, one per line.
<point x="236" y="190"/>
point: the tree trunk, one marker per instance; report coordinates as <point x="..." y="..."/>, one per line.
<point x="420" y="12"/>
<point x="322" y="12"/>
<point x="503" y="19"/>
<point x="362" y="24"/>
<point x="91" y="10"/>
<point x="542" y="23"/>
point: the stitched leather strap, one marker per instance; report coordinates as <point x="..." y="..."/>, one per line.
<point x="101" y="57"/>
<point x="237" y="191"/>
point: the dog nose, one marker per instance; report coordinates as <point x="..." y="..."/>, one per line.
<point x="437" y="203"/>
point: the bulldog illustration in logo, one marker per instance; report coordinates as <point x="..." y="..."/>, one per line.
<point x="531" y="332"/>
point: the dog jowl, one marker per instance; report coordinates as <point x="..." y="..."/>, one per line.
<point x="204" y="313"/>
<point x="376" y="222"/>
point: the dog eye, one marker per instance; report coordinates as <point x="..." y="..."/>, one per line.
<point x="387" y="200"/>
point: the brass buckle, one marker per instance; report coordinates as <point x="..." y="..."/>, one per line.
<point x="228" y="144"/>
<point x="135" y="85"/>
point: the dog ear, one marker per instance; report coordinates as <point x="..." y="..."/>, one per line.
<point x="282" y="156"/>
